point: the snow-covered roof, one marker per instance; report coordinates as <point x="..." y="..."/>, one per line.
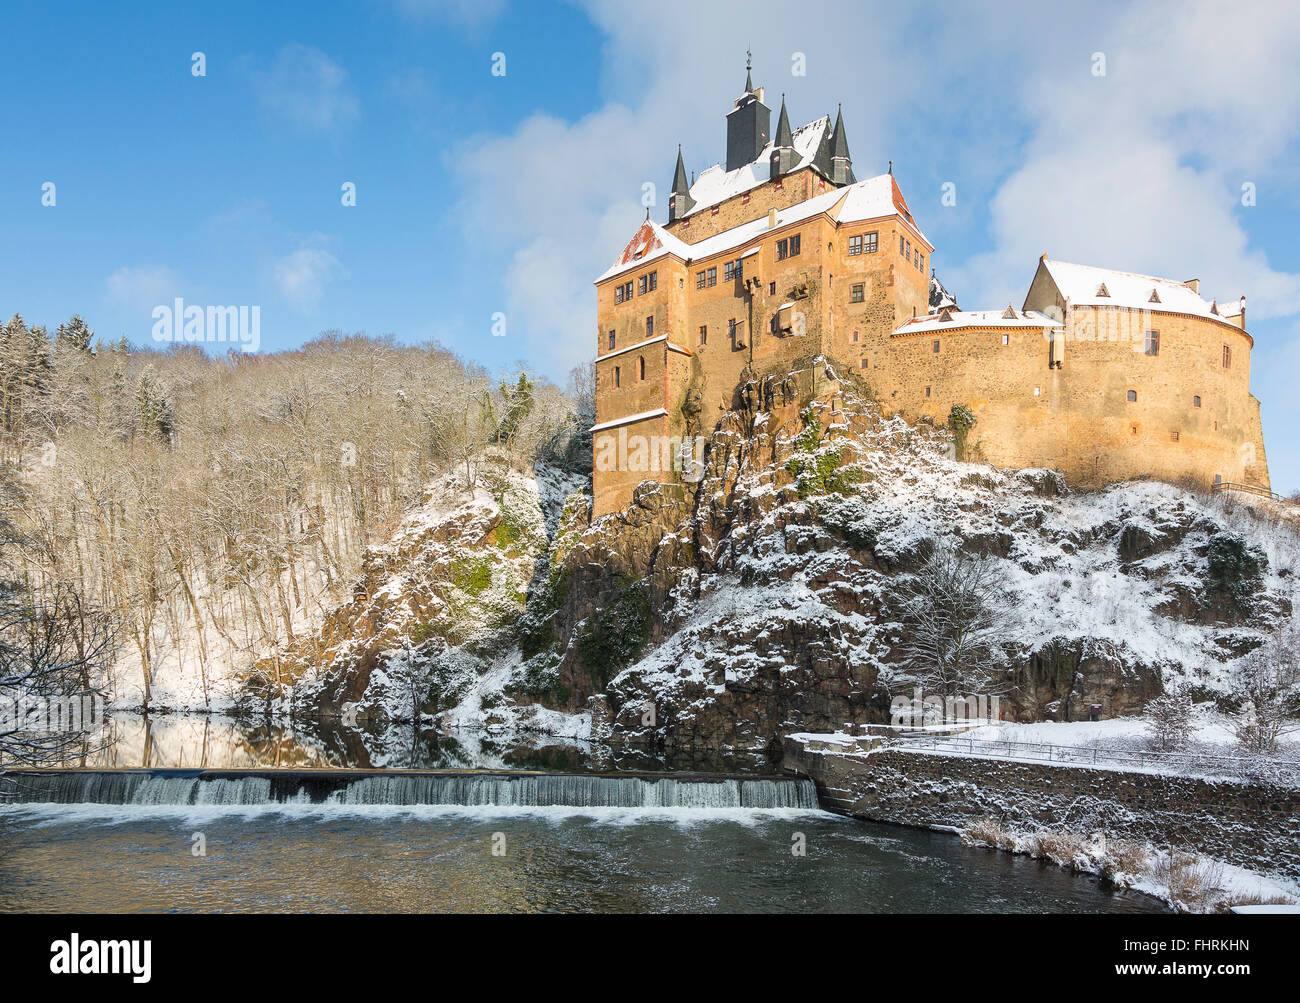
<point x="1087" y="285"/>
<point x="628" y="419"/>
<point x="872" y="198"/>
<point x="715" y="185"/>
<point x="950" y="319"/>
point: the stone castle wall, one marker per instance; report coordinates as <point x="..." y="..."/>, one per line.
<point x="1192" y="419"/>
<point x="1251" y="825"/>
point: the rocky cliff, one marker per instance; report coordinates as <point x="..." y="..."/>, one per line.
<point x="765" y="598"/>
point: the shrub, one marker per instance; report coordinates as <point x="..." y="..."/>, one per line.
<point x="1169" y="723"/>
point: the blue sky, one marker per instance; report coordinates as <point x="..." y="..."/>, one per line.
<point x="479" y="193"/>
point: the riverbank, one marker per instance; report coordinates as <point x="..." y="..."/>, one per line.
<point x="1251" y="826"/>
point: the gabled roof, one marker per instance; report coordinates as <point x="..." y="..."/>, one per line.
<point x="948" y="319"/>
<point x="874" y="198"/>
<point x="1087" y="285"/>
<point x="716" y="185"/>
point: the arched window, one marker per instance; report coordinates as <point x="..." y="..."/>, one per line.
<point x="1196" y="400"/>
<point x="1132" y="395"/>
<point x="641" y="363"/>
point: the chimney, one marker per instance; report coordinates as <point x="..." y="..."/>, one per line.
<point x="771" y="219"/>
<point x="1194" y="285"/>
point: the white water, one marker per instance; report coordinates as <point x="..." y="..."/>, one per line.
<point x="563" y="790"/>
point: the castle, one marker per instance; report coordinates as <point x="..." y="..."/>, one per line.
<point x="781" y="254"/>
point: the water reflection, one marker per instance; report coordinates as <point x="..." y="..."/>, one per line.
<point x="213" y="741"/>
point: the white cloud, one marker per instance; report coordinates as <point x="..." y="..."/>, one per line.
<point x="307" y="89"/>
<point x="303" y="275"/>
<point x="139" y="290"/>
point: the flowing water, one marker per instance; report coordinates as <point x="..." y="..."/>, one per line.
<point x="332" y="858"/>
<point x="334" y="839"/>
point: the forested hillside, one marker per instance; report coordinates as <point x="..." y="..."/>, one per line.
<point x="204" y="511"/>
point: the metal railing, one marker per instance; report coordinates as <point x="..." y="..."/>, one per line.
<point x="1218" y="487"/>
<point x="1277" y="771"/>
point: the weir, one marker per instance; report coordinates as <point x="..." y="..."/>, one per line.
<point x="405" y="787"/>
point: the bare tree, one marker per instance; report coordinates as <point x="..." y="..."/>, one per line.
<point x="1169" y="722"/>
<point x="956" y="608"/>
<point x="1268" y="683"/>
<point x="52" y="651"/>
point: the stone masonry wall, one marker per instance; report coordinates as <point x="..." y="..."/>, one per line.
<point x="1256" y="826"/>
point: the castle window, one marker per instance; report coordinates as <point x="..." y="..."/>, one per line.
<point x="902" y="245"/>
<point x="699" y="280"/>
<point x="731" y="331"/>
<point x="745" y="199"/>
<point x="855" y="245"/>
<point x="916" y="258"/>
<point x="1133" y="429"/>
<point x="858" y="296"/>
<point x="1132" y="396"/>
<point x="641" y="365"/>
<point x="627" y="290"/>
<point x="650" y="326"/>
<point x="714" y="212"/>
<point x="1227" y="357"/>
<point x="927" y="391"/>
<point x="1153" y="343"/>
<point x="617" y="381"/>
<point x="855" y="335"/>
<point x="869" y="242"/>
<point x="653" y="280"/>
<point x="936" y="348"/>
<point x="1173" y="436"/>
<point x="641" y="285"/>
<point x="618" y="294"/>
<point x="922" y="265"/>
<point x="731" y="271"/>
<point x="1196" y="400"/>
<point x="907" y="250"/>
<point x="1038" y="391"/>
<point x="713" y="275"/>
<point x="771" y="288"/>
<point x="611" y="341"/>
<point x="787" y="247"/>
<point x="865" y="364"/>
<point x="1006" y="339"/>
<point x="704" y="334"/>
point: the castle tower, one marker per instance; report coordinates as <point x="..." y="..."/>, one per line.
<point x="680" y="202"/>
<point x="748" y="125"/>
<point x="783" y="156"/>
<point x="841" y="162"/>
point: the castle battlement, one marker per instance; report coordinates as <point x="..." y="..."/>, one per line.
<point x="780" y="253"/>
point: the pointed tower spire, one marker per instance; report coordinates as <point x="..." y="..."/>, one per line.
<point x="680" y="202"/>
<point x="749" y="81"/>
<point x="783" y="155"/>
<point x="784" y="137"/>
<point x="841" y="162"/>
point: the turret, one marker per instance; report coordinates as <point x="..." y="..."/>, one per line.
<point x="783" y="156"/>
<point x="841" y="162"/>
<point x="680" y="202"/>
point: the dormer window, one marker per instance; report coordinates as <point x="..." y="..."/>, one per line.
<point x="1155" y="297"/>
<point x="1009" y="314"/>
<point x="1102" y="290"/>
